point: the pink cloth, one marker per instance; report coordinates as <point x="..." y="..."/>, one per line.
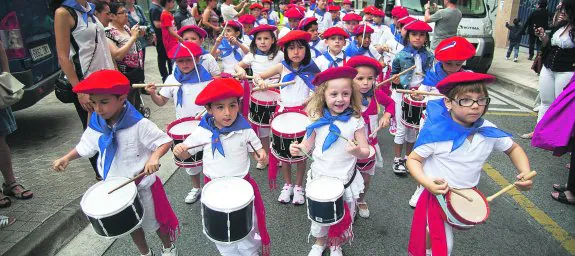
<point x="246" y="98"/>
<point x="163" y="211"/>
<point x="427" y="212"/>
<point x="341" y="232"/>
<point x="556" y="128"/>
<point x="260" y="214"/>
<point x="384" y="100"/>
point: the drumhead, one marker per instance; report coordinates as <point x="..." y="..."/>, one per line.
<point x="227" y="194"/>
<point x="476" y="211"/>
<point x="184" y="128"/>
<point x="324" y="189"/>
<point x="407" y="99"/>
<point x="290" y="122"/>
<point x="265" y="96"/>
<point x="97" y="203"/>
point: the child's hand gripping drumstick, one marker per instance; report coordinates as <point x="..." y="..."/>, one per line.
<point x="522" y="182"/>
<point x="295" y="149"/>
<point x="455" y="191"/>
<point x="181" y="150"/>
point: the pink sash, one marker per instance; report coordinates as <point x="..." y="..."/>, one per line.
<point x="163" y="211"/>
<point x="427" y="213"/>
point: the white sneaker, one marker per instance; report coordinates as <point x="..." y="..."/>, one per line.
<point x="364" y="213"/>
<point x="515" y="60"/>
<point x="335" y="251"/>
<point x="316" y="250"/>
<point x="285" y="195"/>
<point x="298" y="196"/>
<point x="507" y="58"/>
<point x="193" y="196"/>
<point x="172" y="251"/>
<point x="261" y="166"/>
<point x="536" y="109"/>
<point x="415" y="197"/>
<point x="150" y="253"/>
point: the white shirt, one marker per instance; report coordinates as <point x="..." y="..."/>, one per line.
<point x="236" y="163"/>
<point x="229" y="62"/>
<point x="190" y="93"/>
<point x="562" y="39"/>
<point x="323" y="22"/>
<point x="462" y="167"/>
<point x="323" y="63"/>
<point x="283" y="32"/>
<point x="228" y="12"/>
<point x="295" y="94"/>
<point x="415" y="78"/>
<point x="336" y="161"/>
<point x="135" y="146"/>
<point x="260" y="64"/>
<point x="381" y="35"/>
<point x="321" y="46"/>
<point x="247" y="40"/>
<point x="209" y="63"/>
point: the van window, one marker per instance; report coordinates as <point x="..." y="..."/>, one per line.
<point x="469" y="8"/>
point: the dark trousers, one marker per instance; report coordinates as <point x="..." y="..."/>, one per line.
<point x="84" y="118"/>
<point x="513" y="47"/>
<point x="533" y="40"/>
<point x="571" y="179"/>
<point x="164" y="63"/>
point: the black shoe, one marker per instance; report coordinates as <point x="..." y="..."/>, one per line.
<point x="398" y="167"/>
<point x="530" y="58"/>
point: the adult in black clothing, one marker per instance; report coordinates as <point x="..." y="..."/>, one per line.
<point x="164" y="64"/>
<point x="182" y="17"/>
<point x="538" y="19"/>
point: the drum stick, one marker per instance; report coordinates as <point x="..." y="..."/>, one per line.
<point x="454" y="191"/>
<point x="258" y="88"/>
<point x="254" y="149"/>
<point x="374" y="133"/>
<point x="157" y="85"/>
<point x="200" y="114"/>
<point x="348" y="140"/>
<point x="127" y="182"/>
<point x="419" y="92"/>
<point x="393" y="76"/>
<point x="306" y="154"/>
<point x="420" y="74"/>
<point x="248" y="77"/>
<point x="510" y="186"/>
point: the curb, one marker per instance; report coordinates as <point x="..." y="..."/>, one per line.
<point x="516" y="88"/>
<point x="53" y="233"/>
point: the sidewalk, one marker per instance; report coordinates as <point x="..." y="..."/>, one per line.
<point x="516" y="77"/>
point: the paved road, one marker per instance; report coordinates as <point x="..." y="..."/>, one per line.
<point x="528" y="223"/>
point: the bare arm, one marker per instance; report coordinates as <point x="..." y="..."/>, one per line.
<point x="153" y="164"/>
<point x="214" y="52"/>
<point x="259" y="78"/>
<point x="120" y="53"/>
<point x="61" y="163"/>
<point x="174" y="33"/>
<point x="63" y="22"/>
<point x="415" y="167"/>
<point x="4" y="67"/>
<point x="521" y="162"/>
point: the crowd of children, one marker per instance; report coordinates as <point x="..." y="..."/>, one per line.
<point x="330" y="63"/>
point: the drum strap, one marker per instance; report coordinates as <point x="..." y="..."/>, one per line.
<point x="350" y="180"/>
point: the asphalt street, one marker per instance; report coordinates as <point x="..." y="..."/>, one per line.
<point x="527" y="223"/>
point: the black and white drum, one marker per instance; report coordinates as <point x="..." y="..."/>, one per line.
<point x="288" y="127"/>
<point x="411" y="111"/>
<point x="179" y="130"/>
<point x="227" y="209"/>
<point x="116" y="214"/>
<point x="324" y="197"/>
<point x="262" y="107"/>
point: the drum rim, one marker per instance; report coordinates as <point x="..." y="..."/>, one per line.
<point x="459" y="217"/>
<point x="288" y="160"/>
<point x="98" y="216"/>
<point x="410" y="125"/>
<point x="125" y="233"/>
<point x="260" y="125"/>
<point x="179" y="121"/>
<point x="311" y="197"/>
<point x="265" y="102"/>
<point x="327" y="224"/>
<point x="180" y="163"/>
<point x="225" y="243"/>
<point x="231" y="209"/>
<point x="287" y="135"/>
<point x="416" y="103"/>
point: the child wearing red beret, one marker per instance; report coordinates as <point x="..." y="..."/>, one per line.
<point x="336" y="114"/>
<point x="322" y="15"/>
<point x="256" y="11"/>
<point x="248" y="21"/>
<point x="294" y="15"/>
<point x="128" y="144"/>
<point x="368" y="70"/>
<point x="450" y="153"/>
<point x="316" y="45"/>
<point x="361" y="45"/>
<point x="350" y="22"/>
<point x="197" y="35"/>
<point x="226" y="136"/>
<point x="229" y="46"/>
<point x="334" y="56"/>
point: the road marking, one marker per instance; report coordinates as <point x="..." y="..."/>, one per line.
<point x="498" y="98"/>
<point x="560" y="234"/>
<point x="508" y="113"/>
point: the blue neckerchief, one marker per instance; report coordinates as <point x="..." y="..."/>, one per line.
<point x="364" y="96"/>
<point x="271" y="22"/>
<point x="306" y="73"/>
<point x="312" y="46"/>
<point x="190" y="78"/>
<point x="433" y="76"/>
<point x="354" y="50"/>
<point x="78" y="7"/>
<point x="258" y="52"/>
<point x="421" y="51"/>
<point x="226" y="48"/>
<point x="328" y="119"/>
<point x="204" y="51"/>
<point x="332" y="62"/>
<point x="335" y="21"/>
<point x="344" y="11"/>
<point x="396" y="34"/>
<point x="320" y="13"/>
<point x="312" y="7"/>
<point x="207" y="123"/>
<point x="251" y="37"/>
<point x="439" y="126"/>
<point x="107" y="143"/>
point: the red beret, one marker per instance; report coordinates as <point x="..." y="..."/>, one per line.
<point x="454" y="48"/>
<point x="378" y="13"/>
<point x="352" y="17"/>
<point x="334" y="73"/>
<point x="294" y="13"/>
<point x="294" y="35"/>
<point x="346" y="2"/>
<point x="333" y="8"/>
<point x="330" y="1"/>
<point x="262" y="27"/>
<point x="104" y="82"/>
<point x="399" y="12"/>
<point x="200" y="31"/>
<point x="220" y="89"/>
<point x="185" y="49"/>
<point x="455" y="79"/>
<point x="233" y="23"/>
<point x="305" y="21"/>
<point x="266" y="1"/>
<point x="369" y="9"/>
<point x="362" y="29"/>
<point x="334" y="31"/>
<point x="359" y="61"/>
<point x="247" y="19"/>
<point x="394" y="10"/>
<point x="418" y="25"/>
<point x="265" y="9"/>
<point x="406" y="20"/>
<point x="256" y="6"/>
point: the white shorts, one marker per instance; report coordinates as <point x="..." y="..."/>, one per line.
<point x="250" y="246"/>
<point x="194" y="170"/>
<point x="403" y="133"/>
<point x="149" y="222"/>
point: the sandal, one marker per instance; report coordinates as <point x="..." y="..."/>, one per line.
<point x="8" y="190"/>
<point x="6" y="221"/>
<point x="562" y="198"/>
<point x="5" y="201"/>
<point x="560" y="187"/>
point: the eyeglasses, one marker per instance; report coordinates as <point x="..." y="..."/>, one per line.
<point x="469" y="102"/>
<point x="122" y="12"/>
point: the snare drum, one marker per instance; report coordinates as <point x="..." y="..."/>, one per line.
<point x="324" y="197"/>
<point x="464" y="214"/>
<point x="262" y="107"/>
<point x="227" y="209"/>
<point x="287" y="127"/>
<point x="411" y="111"/>
<point x="179" y="130"/>
<point x="116" y="214"/>
<point x="366" y="164"/>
